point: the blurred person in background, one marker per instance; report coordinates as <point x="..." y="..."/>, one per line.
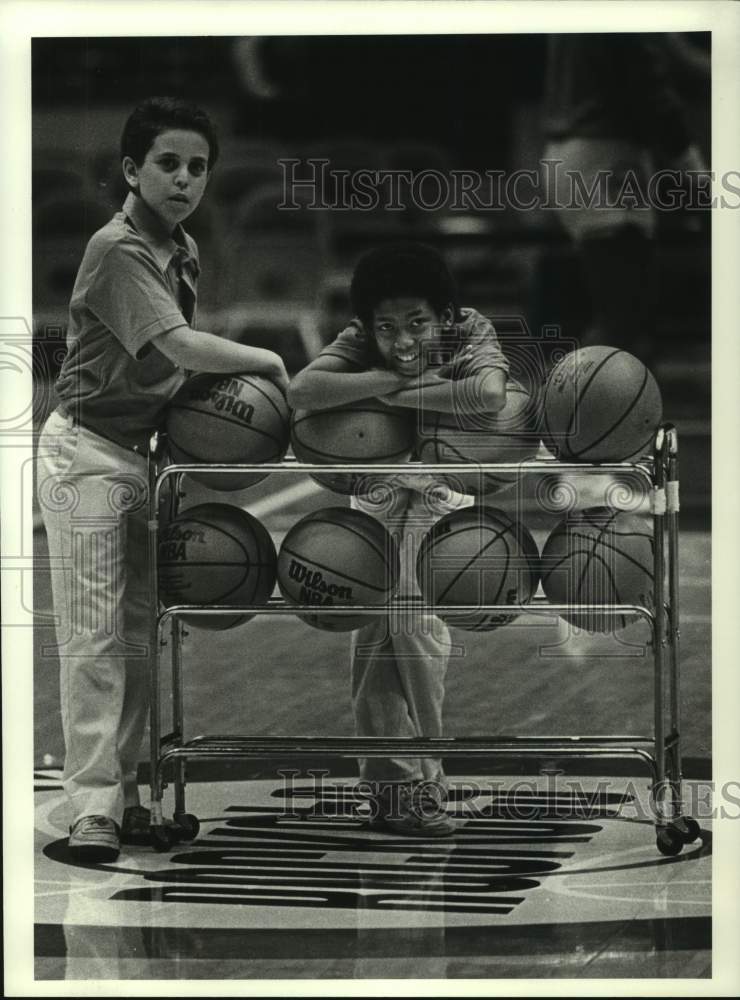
<point x="614" y="103"/>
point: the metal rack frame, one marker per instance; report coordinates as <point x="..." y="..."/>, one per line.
<point x="661" y="752"/>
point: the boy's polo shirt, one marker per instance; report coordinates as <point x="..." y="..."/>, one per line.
<point x="129" y="290"/>
<point x="470" y="347"/>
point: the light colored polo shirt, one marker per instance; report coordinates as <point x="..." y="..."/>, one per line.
<point x="129" y="290"/>
<point x="469" y="348"/>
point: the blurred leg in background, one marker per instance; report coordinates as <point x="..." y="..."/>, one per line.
<point x="613" y="115"/>
<point x="616" y="246"/>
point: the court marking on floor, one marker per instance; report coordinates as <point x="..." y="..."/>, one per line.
<point x="330" y="871"/>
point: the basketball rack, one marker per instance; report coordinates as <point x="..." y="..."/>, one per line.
<point x="660" y="752"/>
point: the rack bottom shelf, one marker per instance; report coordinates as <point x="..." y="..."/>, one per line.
<point x="618" y="746"/>
<point x="673" y="830"/>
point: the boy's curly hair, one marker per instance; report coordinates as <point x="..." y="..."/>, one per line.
<point x="402" y="270"/>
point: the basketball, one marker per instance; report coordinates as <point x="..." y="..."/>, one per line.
<point x="599" y="556"/>
<point x="216" y="554"/>
<point x="365" y="431"/>
<point x="511" y="435"/>
<point x="478" y="555"/>
<point x="601" y="405"/>
<point x="228" y="419"/>
<point x="338" y="556"/>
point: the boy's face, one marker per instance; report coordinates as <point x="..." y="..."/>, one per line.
<point x="173" y="176"/>
<point x="406" y="330"/>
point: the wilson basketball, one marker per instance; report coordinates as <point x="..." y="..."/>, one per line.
<point x="478" y="555"/>
<point x="216" y="554"/>
<point x="338" y="556"/>
<point x="511" y="435"/>
<point x="601" y="405"/>
<point x="366" y="431"/>
<point x="228" y="419"/>
<point x="599" y="556"/>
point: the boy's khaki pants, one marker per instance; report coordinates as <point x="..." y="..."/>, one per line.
<point x="93" y="494"/>
<point x="399" y="662"/>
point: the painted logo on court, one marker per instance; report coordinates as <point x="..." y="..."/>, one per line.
<point x="309" y="847"/>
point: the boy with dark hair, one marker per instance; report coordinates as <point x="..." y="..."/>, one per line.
<point x="159" y="114"/>
<point x="131" y="338"/>
<point x="411" y="345"/>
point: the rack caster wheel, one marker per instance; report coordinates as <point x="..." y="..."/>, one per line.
<point x="687" y="828"/>
<point x="669" y="841"/>
<point x="163" y="838"/>
<point x="189" y="826"/>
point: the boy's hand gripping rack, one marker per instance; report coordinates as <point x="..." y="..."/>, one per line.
<point x="660" y="752"/>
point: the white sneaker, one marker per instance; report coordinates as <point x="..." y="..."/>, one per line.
<point x="94" y="838"/>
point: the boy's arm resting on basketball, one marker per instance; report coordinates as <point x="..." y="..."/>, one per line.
<point x="199" y="351"/>
<point x="330" y="381"/>
<point x="482" y="392"/>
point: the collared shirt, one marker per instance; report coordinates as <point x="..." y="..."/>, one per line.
<point x="135" y="282"/>
<point x="470" y="347"/>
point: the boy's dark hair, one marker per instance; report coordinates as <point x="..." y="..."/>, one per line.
<point x="160" y="114"/>
<point x="402" y="270"/>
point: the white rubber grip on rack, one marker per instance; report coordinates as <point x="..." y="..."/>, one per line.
<point x="671" y="490"/>
<point x="658" y="501"/>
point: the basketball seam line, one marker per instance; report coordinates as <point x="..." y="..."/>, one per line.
<point x="256" y="584"/>
<point x="228" y="593"/>
<point x="382" y="552"/>
<point x="624" y="555"/>
<point x="582" y="391"/>
<point x="222" y="598"/>
<point x="644" y="444"/>
<point x="217" y="479"/>
<point x="269" y="399"/>
<point x="597" y="540"/>
<point x="618" y="534"/>
<point x="618" y="421"/>
<point x="458" y="454"/>
<point x="546" y="423"/>
<point x="559" y="563"/>
<point x="197" y="458"/>
<point x="454" y="580"/>
<point x="631" y="534"/>
<point x="224" y="531"/>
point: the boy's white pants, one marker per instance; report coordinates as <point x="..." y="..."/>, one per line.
<point x="399" y="662"/>
<point x="93" y="494"/>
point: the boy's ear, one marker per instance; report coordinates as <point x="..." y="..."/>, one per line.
<point x="130" y="171"/>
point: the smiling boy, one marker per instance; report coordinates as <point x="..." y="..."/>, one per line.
<point x="131" y="338"/>
<point x="412" y="346"/>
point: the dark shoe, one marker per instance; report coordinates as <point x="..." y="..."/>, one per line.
<point x="94" y="838"/>
<point x="375" y="819"/>
<point x="135" y="825"/>
<point x="412" y="809"/>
